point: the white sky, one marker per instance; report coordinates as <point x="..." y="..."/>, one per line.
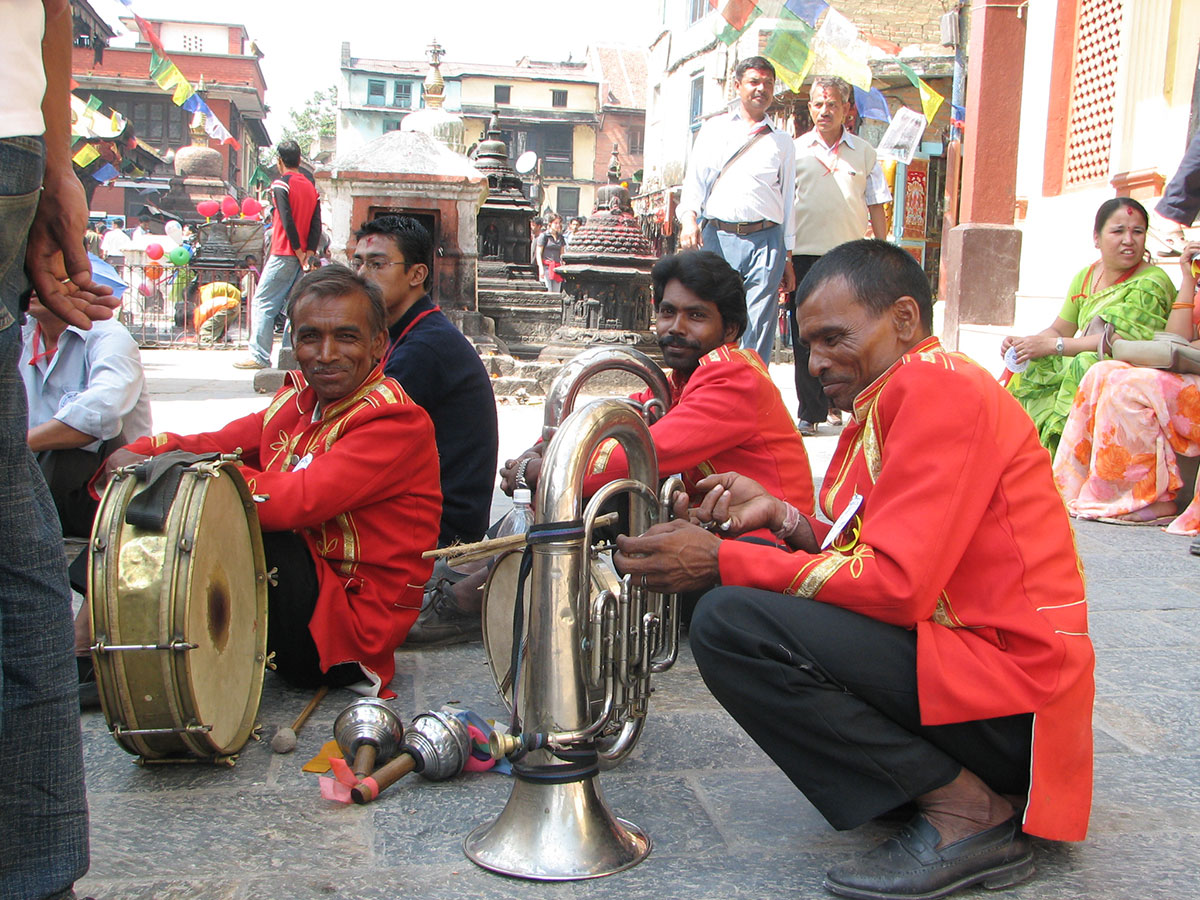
<point x="302" y="40"/>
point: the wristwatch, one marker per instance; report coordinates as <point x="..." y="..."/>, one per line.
<point x="1058" y="346"/>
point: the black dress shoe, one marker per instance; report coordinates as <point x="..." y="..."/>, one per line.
<point x="907" y="866"/>
<point x="1195" y="548"/>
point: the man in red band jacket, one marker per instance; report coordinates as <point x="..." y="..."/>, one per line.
<point x="931" y="646"/>
<point x="347" y="468"/>
<point x="726" y="414"/>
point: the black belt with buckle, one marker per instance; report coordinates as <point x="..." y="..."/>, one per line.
<point x="742" y="227"/>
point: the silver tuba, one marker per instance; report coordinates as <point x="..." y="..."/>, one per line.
<point x="582" y="684"/>
<point x="567" y="384"/>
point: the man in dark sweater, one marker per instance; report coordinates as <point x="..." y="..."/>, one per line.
<point x="438" y="368"/>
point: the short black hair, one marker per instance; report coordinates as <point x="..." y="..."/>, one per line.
<point x="338" y="281"/>
<point x="1108" y="207"/>
<point x="412" y="240"/>
<point x="878" y="274"/>
<point x="709" y="277"/>
<point x="289" y="153"/>
<point x="753" y="62"/>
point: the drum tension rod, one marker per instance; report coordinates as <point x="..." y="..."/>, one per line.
<point x="119" y="730"/>
<point x="101" y="647"/>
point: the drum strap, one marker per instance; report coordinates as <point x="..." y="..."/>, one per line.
<point x="161" y="474"/>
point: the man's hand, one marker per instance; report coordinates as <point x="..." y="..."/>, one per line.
<point x="689" y="232"/>
<point x="789" y="277"/>
<point x="119" y="459"/>
<point x="533" y="468"/>
<point x="55" y="258"/>
<point x="672" y="556"/>
<point x="738" y="504"/>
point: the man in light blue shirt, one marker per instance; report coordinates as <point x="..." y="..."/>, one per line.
<point x="87" y="394"/>
<point x="737" y="198"/>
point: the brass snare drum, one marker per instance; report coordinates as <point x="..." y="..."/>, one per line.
<point x="179" y="617"/>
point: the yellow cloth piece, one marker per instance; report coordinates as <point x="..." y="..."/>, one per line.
<point x="320" y="762"/>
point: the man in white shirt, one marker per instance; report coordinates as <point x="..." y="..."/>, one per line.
<point x="737" y="198"/>
<point x="87" y="395"/>
<point x="839" y="188"/>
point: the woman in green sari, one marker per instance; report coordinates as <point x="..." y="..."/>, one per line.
<point x="1120" y="289"/>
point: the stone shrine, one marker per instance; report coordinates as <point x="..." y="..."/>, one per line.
<point x="505" y="215"/>
<point x="606" y="296"/>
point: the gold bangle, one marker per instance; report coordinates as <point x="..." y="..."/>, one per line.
<point x="1183" y="305"/>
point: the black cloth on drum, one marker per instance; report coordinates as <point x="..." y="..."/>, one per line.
<point x="831" y="696"/>
<point x="290" y="605"/>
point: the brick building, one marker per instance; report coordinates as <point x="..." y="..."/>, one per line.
<point x="219" y="60"/>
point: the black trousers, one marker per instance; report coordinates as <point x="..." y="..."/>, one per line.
<point x="1181" y="197"/>
<point x="831" y="696"/>
<point x="812" y="405"/>
<point x="290" y="605"/>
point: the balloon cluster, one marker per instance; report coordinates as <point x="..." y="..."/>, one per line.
<point x="229" y="208"/>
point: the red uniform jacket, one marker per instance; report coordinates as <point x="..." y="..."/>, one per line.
<point x="962" y="537"/>
<point x="727" y="417"/>
<point x="360" y="485"/>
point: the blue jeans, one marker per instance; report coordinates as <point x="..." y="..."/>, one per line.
<point x="279" y="275"/>
<point x="43" y="839"/>
<point x="1181" y="198"/>
<point x="759" y="258"/>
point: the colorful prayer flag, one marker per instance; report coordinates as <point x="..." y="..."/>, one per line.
<point x="738" y="13"/>
<point x="931" y="100"/>
<point x="807" y="11"/>
<point x="871" y="104"/>
<point x="87" y="155"/>
<point x="790" y="49"/>
<point x="106" y="172"/>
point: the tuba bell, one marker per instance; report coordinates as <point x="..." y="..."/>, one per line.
<point x="581" y="686"/>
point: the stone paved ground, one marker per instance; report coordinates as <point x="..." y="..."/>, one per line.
<point x="725" y="823"/>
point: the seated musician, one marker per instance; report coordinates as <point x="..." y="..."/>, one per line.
<point x="930" y="647"/>
<point x="437" y="367"/>
<point x="726" y="413"/>
<point x="87" y="396"/>
<point x="347" y="469"/>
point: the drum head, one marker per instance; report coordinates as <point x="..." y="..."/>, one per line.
<point x="215" y="592"/>
<point x="499" y="596"/>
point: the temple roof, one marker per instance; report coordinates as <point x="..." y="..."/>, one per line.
<point x="407" y="152"/>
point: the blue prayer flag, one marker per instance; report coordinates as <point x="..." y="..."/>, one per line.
<point x="871" y="104"/>
<point x="806" y="10"/>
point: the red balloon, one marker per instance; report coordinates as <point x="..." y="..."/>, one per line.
<point x="207" y="208"/>
<point x="229" y="206"/>
<point x="251" y="207"/>
<point x="154" y="251"/>
<point x="145" y="290"/>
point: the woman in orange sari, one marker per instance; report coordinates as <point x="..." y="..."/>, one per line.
<point x="1118" y="458"/>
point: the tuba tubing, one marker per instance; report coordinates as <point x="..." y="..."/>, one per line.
<point x="577" y="371"/>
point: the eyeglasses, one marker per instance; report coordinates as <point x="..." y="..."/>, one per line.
<point x="373" y="265"/>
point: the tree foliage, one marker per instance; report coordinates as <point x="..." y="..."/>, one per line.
<point x="317" y="118"/>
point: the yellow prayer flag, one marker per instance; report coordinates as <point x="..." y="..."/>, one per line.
<point x="86" y="155"/>
<point x="931" y="100"/>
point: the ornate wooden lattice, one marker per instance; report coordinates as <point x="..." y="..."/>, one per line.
<point x="1093" y="91"/>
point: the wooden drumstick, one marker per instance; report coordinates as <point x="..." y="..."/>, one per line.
<point x="465" y="553"/>
<point x="372" y="786"/>
<point x="285" y="738"/>
<point x="364" y="759"/>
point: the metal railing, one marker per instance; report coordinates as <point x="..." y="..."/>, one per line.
<point x="169" y="306"/>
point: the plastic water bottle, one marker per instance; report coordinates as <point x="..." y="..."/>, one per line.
<point x="520" y="517"/>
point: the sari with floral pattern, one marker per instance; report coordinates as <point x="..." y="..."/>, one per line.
<point x="1136" y="307"/>
<point x="1120" y="447"/>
